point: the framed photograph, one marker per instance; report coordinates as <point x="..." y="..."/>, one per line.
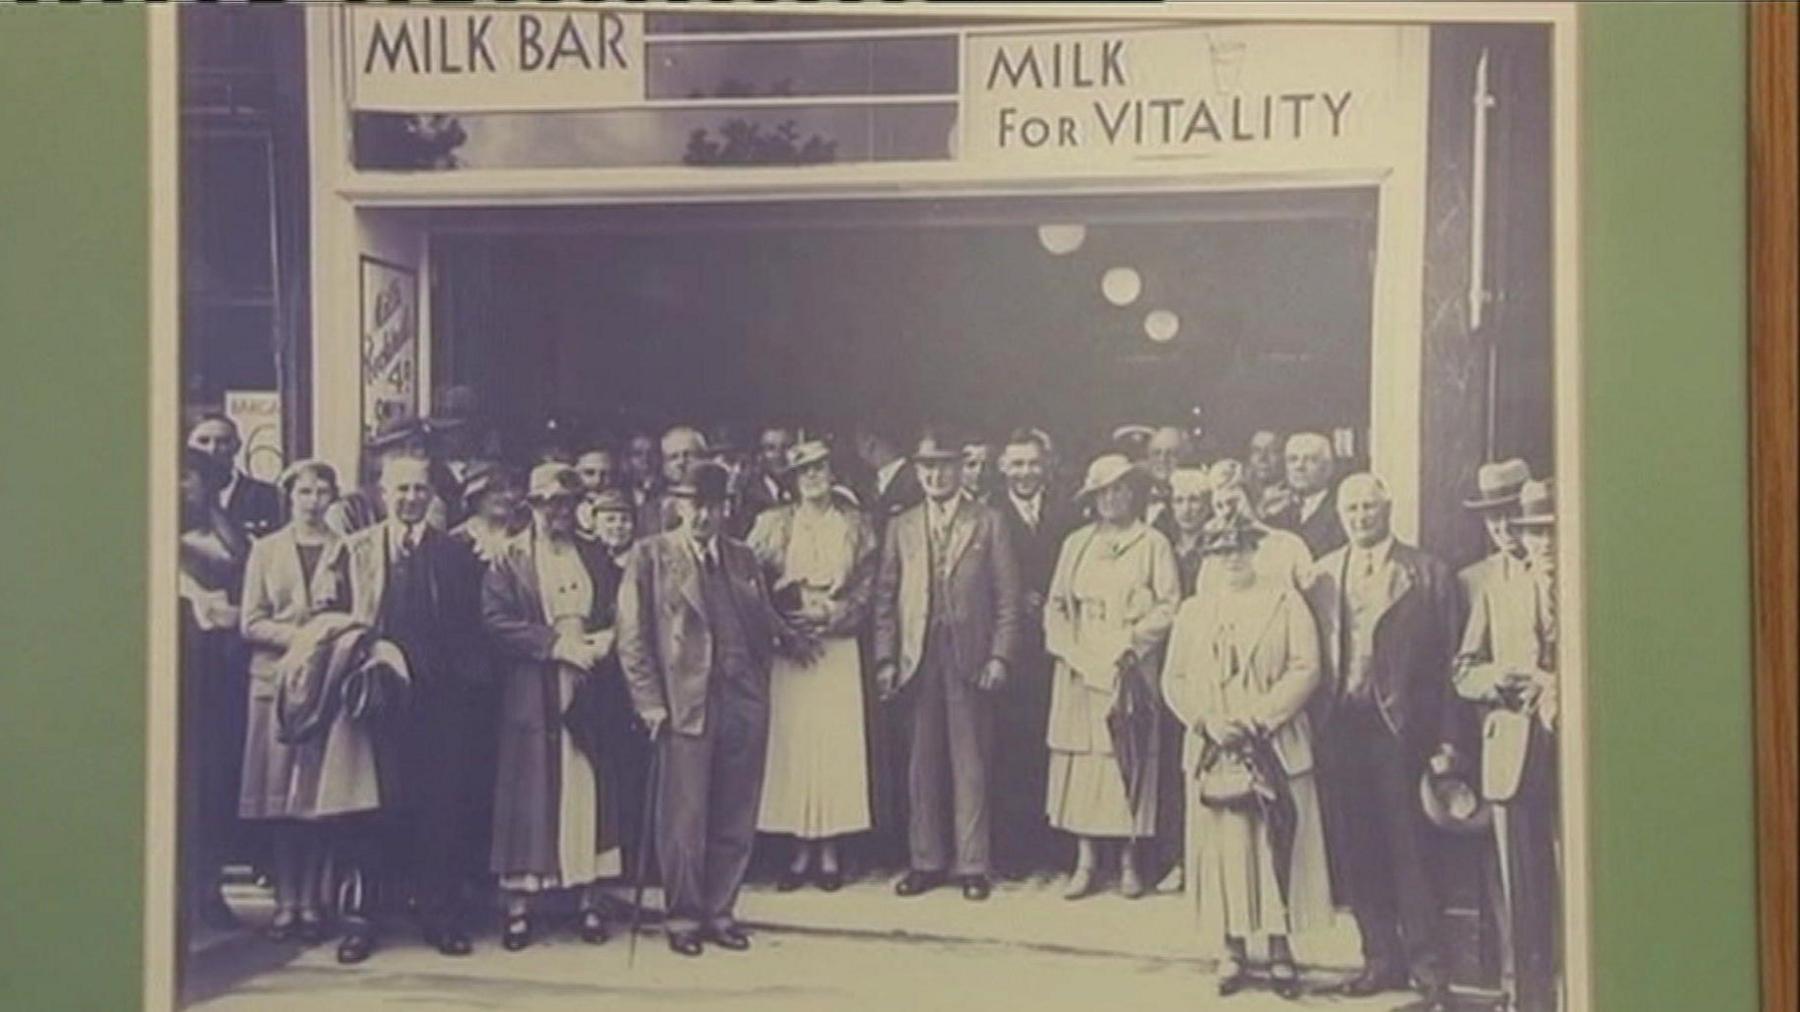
<point x="1203" y="505"/>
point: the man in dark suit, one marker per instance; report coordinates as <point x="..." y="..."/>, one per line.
<point x="947" y="629"/>
<point x="416" y="585"/>
<point x="1312" y="512"/>
<point x="254" y="506"/>
<point x="765" y="487"/>
<point x="696" y="633"/>
<point x="1387" y="617"/>
<point x="1036" y="525"/>
<point x="893" y="487"/>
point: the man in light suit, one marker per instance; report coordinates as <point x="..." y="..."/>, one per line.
<point x="1507" y="665"/>
<point x="696" y="633"/>
<point x="947" y="631"/>
<point x="416" y="586"/>
<point x="1387" y="617"/>
<point x="1312" y="512"/>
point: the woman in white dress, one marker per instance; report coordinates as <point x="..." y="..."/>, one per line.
<point x="819" y="554"/>
<point x="548" y="601"/>
<point x="1243" y="661"/>
<point x="1111" y="600"/>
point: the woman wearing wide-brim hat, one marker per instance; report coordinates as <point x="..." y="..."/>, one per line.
<point x="819" y="554"/>
<point x="1111" y="601"/>
<point x="1243" y="661"/>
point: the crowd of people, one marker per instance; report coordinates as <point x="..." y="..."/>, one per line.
<point x="648" y="656"/>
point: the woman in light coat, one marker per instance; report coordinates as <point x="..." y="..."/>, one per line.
<point x="1111" y="601"/>
<point x="277" y="601"/>
<point x="819" y="555"/>
<point x="1243" y="660"/>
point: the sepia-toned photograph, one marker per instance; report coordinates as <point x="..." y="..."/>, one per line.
<point x="773" y="507"/>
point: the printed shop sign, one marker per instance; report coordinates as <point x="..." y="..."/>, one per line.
<point x="421" y="61"/>
<point x="1224" y="97"/>
<point x="390" y="344"/>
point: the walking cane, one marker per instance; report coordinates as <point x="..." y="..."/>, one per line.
<point x="651" y="790"/>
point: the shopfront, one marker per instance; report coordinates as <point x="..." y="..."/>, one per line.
<point x="606" y="214"/>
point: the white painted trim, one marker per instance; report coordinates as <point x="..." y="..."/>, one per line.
<point x="162" y="691"/>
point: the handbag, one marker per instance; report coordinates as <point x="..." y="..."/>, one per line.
<point x="1227" y="781"/>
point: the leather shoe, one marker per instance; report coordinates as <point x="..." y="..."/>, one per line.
<point x="686" y="943"/>
<point x="449" y="941"/>
<point x="729" y="937"/>
<point x="1374" y="980"/>
<point x="790" y="881"/>
<point x="830" y="881"/>
<point x="976" y="887"/>
<point x="355" y="948"/>
<point x="1284" y="979"/>
<point x="1435" y="999"/>
<point x="914" y="883"/>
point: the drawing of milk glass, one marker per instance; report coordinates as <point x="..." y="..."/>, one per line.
<point x="1227" y="62"/>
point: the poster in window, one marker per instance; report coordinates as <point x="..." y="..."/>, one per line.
<point x="390" y="344"/>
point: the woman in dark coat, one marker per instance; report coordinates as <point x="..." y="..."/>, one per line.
<point x="548" y="602"/>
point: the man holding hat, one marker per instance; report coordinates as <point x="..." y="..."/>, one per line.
<point x="410" y="581"/>
<point x="947" y="631"/>
<point x="1507" y="666"/>
<point x="697" y="631"/>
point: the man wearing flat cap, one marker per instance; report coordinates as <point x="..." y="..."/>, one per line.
<point x="411" y="582"/>
<point x="697" y="631"/>
<point x="947" y="632"/>
<point x="1507" y="666"/>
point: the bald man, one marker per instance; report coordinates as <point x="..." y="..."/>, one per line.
<point x="1389" y="621"/>
<point x="416" y="584"/>
<point x="682" y="447"/>
<point x="1311" y="478"/>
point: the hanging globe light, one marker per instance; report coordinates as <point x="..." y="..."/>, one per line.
<point x="1161" y="326"/>
<point x="1121" y="286"/>
<point x="1062" y="239"/>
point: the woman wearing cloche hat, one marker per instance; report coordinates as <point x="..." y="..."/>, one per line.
<point x="1111" y="600"/>
<point x="1243" y="661"/>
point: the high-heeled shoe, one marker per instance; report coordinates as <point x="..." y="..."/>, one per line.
<point x="1236" y="979"/>
<point x="284" y="927"/>
<point x="593" y="927"/>
<point x="516" y="936"/>
<point x="1081" y="884"/>
<point x="311" y="930"/>
<point x="1284" y="978"/>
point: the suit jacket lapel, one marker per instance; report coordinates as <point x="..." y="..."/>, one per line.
<point x="369" y="581"/>
<point x="686" y="570"/>
<point x="1399" y="583"/>
<point x="962" y="531"/>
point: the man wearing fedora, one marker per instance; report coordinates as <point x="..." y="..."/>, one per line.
<point x="1387" y="616"/>
<point x="947" y="632"/>
<point x="1507" y="666"/>
<point x="413" y="583"/>
<point x="697" y="631"/>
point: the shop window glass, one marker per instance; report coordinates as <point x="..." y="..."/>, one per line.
<point x="908" y="66"/>
<point x="227" y="229"/>
<point x="784" y="135"/>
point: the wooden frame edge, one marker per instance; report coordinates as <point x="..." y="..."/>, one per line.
<point x="1775" y="479"/>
